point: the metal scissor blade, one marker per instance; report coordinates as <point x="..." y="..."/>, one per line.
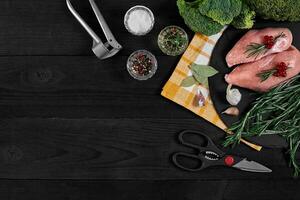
<point x="251" y="166"/>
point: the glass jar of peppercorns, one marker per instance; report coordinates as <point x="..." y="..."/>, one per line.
<point x="141" y="65"/>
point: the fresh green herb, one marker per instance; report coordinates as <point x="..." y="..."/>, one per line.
<point x="203" y="70"/>
<point x="281" y="35"/>
<point x="266" y="74"/>
<point x="172" y="40"/>
<point x="200" y="74"/>
<point x="275" y="112"/>
<point x="278" y="71"/>
<point x="256" y="49"/>
<point x="188" y="81"/>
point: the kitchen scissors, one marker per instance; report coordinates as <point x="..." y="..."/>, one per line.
<point x="208" y="155"/>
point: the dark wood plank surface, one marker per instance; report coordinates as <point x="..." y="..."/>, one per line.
<point x="112" y="149"/>
<point x="75" y="127"/>
<point x="48" y="28"/>
<point x="129" y="189"/>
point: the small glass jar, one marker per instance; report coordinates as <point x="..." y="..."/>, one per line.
<point x="141" y="65"/>
<point x="139" y="20"/>
<point x="173" y="40"/>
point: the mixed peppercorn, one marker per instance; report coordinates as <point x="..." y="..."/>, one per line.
<point x="141" y="64"/>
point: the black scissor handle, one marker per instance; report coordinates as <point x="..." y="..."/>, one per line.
<point x="199" y="160"/>
<point x="208" y="146"/>
<point x="228" y="161"/>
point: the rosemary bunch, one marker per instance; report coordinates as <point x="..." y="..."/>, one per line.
<point x="275" y="112"/>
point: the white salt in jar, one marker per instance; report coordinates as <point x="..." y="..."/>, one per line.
<point x="139" y="20"/>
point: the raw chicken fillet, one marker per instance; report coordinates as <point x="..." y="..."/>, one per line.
<point x="237" y="54"/>
<point x="246" y="75"/>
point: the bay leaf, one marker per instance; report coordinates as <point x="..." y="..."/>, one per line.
<point x="205" y="83"/>
<point x="199" y="78"/>
<point x="203" y="70"/>
<point x="188" y="81"/>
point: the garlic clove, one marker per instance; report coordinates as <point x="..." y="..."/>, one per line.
<point x="199" y="98"/>
<point x="233" y="96"/>
<point x="234" y="111"/>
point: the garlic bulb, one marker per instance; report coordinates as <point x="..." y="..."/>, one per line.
<point x="233" y="96"/>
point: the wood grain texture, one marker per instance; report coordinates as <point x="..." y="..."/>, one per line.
<point x="74" y="127"/>
<point x="133" y="189"/>
<point x="47" y="68"/>
<point x="112" y="149"/>
<point x="48" y="28"/>
<point x="79" y="86"/>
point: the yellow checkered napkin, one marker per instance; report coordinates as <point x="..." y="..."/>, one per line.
<point x="199" y="52"/>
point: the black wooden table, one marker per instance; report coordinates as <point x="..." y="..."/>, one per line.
<point x="75" y="127"/>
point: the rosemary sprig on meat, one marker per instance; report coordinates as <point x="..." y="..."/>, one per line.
<point x="266" y="74"/>
<point x="275" y="112"/>
<point x="278" y="71"/>
<point x="256" y="49"/>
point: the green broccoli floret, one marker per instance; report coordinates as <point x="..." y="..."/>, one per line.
<point x="246" y="18"/>
<point x="195" y="20"/>
<point x="221" y="11"/>
<point x="279" y="10"/>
